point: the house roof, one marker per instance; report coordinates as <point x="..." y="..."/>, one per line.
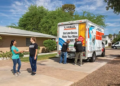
<point x="19" y="32"/>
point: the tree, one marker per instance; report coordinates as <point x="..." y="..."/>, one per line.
<point x="14" y="26"/>
<point x="97" y="19"/>
<point x="70" y="8"/>
<point x="49" y="23"/>
<point x="106" y="42"/>
<point x="41" y="20"/>
<point x="117" y="38"/>
<point x="110" y="36"/>
<point x="113" y="4"/>
<point x="31" y="19"/>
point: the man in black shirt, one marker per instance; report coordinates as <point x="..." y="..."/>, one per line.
<point x="79" y="49"/>
<point x="64" y="50"/>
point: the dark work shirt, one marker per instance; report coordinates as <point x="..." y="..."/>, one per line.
<point x="64" y="47"/>
<point x="78" y="46"/>
<point x="32" y="49"/>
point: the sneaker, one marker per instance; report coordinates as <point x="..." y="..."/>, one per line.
<point x="74" y="64"/>
<point x="19" y="73"/>
<point x="80" y="65"/>
<point x="33" y="73"/>
<point x="16" y="74"/>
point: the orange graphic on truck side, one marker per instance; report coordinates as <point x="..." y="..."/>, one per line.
<point x="99" y="35"/>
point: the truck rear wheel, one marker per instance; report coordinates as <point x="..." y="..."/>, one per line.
<point x="103" y="54"/>
<point x="93" y="58"/>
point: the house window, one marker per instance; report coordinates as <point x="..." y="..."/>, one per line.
<point x="27" y="41"/>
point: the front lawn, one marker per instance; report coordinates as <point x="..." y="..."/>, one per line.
<point x="41" y="57"/>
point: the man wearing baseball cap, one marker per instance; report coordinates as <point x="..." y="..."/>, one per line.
<point x="78" y="47"/>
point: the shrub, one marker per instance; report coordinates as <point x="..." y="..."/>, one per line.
<point x="0" y="55"/>
<point x="21" y="55"/>
<point x="50" y="44"/>
<point x="38" y="49"/>
<point x="0" y="38"/>
<point x="3" y="55"/>
<point x="26" y="53"/>
<point x="105" y="42"/>
<point x="9" y="55"/>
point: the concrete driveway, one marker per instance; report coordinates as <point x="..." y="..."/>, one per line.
<point x="50" y="72"/>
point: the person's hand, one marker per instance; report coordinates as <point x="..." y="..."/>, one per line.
<point x="26" y="51"/>
<point x="21" y="51"/>
<point x="35" y="58"/>
<point x="67" y="49"/>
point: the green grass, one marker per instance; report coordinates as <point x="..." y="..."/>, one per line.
<point x="108" y="47"/>
<point x="41" y="57"/>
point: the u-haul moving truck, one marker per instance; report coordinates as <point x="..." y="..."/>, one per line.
<point x="89" y="33"/>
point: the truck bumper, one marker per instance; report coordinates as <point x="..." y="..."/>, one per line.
<point x="72" y="55"/>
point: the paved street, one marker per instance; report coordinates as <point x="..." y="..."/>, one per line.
<point x="51" y="73"/>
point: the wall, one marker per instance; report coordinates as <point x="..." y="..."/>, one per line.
<point x="21" y="42"/>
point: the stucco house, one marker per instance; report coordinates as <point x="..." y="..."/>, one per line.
<point x="106" y="40"/>
<point x="22" y="37"/>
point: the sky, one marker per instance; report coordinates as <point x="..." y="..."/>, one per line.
<point x="12" y="10"/>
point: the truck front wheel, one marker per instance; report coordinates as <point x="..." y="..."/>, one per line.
<point x="93" y="58"/>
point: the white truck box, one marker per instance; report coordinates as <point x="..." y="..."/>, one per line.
<point x="89" y="33"/>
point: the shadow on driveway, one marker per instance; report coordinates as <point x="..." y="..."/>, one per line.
<point x="114" y="85"/>
<point x="29" y="70"/>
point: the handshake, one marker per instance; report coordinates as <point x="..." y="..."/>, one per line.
<point x="23" y="51"/>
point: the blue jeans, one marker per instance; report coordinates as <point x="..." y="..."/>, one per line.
<point x="15" y="61"/>
<point x="33" y="64"/>
<point x="63" y="55"/>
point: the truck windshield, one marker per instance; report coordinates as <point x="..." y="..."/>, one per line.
<point x="117" y="43"/>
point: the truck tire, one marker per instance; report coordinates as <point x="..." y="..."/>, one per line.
<point x="93" y="58"/>
<point x="103" y="54"/>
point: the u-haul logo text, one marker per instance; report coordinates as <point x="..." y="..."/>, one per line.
<point x="69" y="27"/>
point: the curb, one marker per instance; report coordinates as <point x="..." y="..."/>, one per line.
<point x="41" y="54"/>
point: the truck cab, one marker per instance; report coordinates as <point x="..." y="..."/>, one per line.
<point x="116" y="45"/>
